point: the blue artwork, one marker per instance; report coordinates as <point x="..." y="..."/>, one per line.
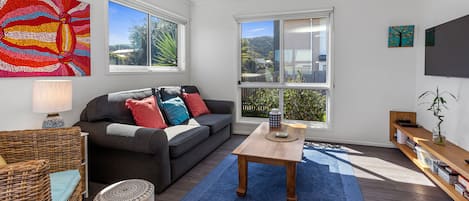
<point x="401" y="36"/>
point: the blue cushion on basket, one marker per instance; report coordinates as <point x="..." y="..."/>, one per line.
<point x="63" y="184"/>
<point x="175" y="111"/>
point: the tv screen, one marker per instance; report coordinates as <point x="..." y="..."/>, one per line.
<point x="447" y="49"/>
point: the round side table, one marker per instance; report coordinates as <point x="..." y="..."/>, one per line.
<point x="128" y="190"/>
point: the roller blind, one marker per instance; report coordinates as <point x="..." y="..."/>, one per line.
<point x="153" y="10"/>
<point x="284" y="15"/>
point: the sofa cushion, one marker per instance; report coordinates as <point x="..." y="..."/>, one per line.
<point x="63" y="184"/>
<point x="169" y="92"/>
<point x="146" y="113"/>
<point x="175" y="111"/>
<point x="111" y="107"/>
<point x="183" y="138"/>
<point x="189" y="89"/>
<point x="195" y="104"/>
<point x="215" y="121"/>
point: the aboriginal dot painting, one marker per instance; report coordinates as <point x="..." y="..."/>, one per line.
<point x="44" y="38"/>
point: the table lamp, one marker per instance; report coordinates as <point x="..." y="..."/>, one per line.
<point x="52" y="97"/>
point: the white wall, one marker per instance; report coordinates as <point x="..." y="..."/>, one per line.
<point x="370" y="79"/>
<point x="456" y="124"/>
<point x="15" y="102"/>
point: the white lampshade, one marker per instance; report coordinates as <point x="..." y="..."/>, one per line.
<point x="52" y="96"/>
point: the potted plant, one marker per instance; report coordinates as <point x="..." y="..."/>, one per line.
<point x="437" y="105"/>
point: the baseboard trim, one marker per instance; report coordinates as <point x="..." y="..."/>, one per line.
<point x="340" y="141"/>
<point x="237" y="132"/>
<point x="354" y="142"/>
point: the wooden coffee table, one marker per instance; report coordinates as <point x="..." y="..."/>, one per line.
<point x="256" y="148"/>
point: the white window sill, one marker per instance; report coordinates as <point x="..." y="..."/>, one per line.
<point x="135" y="70"/>
<point x="314" y="125"/>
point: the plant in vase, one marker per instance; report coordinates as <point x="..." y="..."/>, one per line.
<point x="437" y="105"/>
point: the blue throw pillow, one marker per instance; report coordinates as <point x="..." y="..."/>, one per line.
<point x="175" y="110"/>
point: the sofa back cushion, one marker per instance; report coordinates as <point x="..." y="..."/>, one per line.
<point x="169" y="92"/>
<point x="189" y="89"/>
<point x="111" y="107"/>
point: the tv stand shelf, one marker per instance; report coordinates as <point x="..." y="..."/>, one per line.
<point x="451" y="154"/>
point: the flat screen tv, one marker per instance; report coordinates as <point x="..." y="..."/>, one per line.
<point x="447" y="49"/>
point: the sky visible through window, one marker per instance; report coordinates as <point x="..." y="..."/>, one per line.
<point x="121" y="20"/>
<point x="258" y="29"/>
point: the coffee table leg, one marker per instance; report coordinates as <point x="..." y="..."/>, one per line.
<point x="291" y="181"/>
<point x="242" y="176"/>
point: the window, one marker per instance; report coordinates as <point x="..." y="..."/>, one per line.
<point x="285" y="64"/>
<point x="143" y="39"/>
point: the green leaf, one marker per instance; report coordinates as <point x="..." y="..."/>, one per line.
<point x="423" y="94"/>
<point x="442" y="100"/>
<point x="166" y="49"/>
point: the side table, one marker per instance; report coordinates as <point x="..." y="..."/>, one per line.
<point x="84" y="163"/>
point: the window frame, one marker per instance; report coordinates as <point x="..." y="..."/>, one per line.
<point x="282" y="84"/>
<point x="150" y="10"/>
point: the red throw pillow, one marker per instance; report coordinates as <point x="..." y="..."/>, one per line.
<point x="195" y="104"/>
<point x="146" y="113"/>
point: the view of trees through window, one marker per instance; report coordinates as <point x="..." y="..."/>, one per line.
<point x="259" y="52"/>
<point x="299" y="104"/>
<point x="305" y="47"/>
<point x="129" y="41"/>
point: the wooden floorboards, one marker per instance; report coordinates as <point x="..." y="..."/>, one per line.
<point x="384" y="175"/>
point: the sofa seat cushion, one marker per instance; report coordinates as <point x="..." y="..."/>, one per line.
<point x="215" y="121"/>
<point x="183" y="138"/>
<point x="63" y="184"/>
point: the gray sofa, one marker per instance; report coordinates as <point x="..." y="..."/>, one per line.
<point x="120" y="150"/>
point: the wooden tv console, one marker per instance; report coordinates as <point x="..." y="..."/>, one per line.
<point x="450" y="154"/>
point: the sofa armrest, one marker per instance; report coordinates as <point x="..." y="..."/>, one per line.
<point x="126" y="137"/>
<point x="220" y="107"/>
<point x="116" y="150"/>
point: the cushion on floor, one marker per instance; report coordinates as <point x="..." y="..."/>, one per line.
<point x="63" y="184"/>
<point x="215" y="121"/>
<point x="184" y="138"/>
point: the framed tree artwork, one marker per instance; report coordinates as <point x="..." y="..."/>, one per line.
<point x="401" y="36"/>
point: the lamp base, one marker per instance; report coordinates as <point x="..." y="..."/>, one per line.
<point x="53" y="121"/>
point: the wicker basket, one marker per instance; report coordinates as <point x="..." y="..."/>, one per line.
<point x="32" y="155"/>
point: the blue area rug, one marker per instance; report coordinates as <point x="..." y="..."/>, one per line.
<point x="325" y="174"/>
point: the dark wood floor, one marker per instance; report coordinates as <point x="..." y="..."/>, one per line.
<point x="384" y="175"/>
